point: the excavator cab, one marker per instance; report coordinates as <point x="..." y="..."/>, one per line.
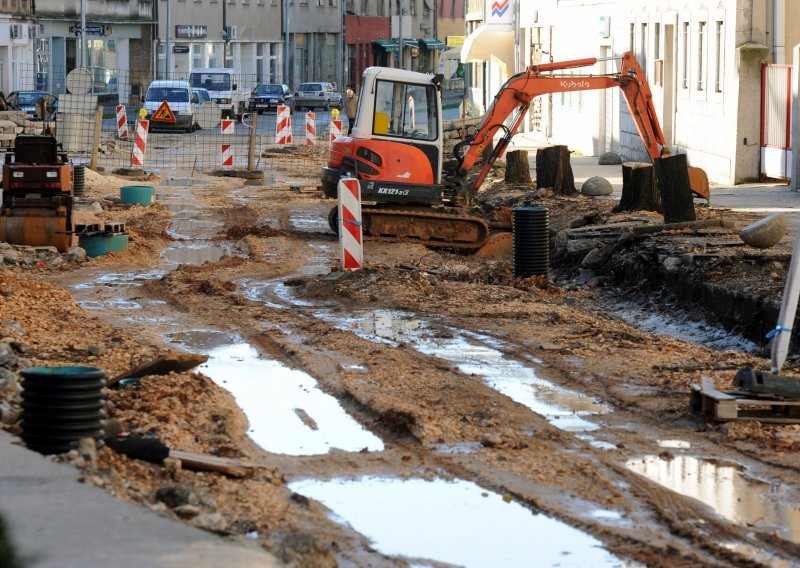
<point x="396" y="144"/>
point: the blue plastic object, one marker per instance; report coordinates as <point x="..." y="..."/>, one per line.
<point x="98" y="245"/>
<point x="138" y="194"/>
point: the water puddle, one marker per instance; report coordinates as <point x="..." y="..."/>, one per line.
<point x="740" y="499"/>
<point x="195" y="253"/>
<point x="476" y="354"/>
<point x="455" y="522"/>
<point x="674" y="444"/>
<point x="287" y="411"/>
<point x="193" y="229"/>
<point x="314" y="222"/>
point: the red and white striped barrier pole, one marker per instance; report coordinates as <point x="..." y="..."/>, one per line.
<point x="227" y="155"/>
<point x="122" y="123"/>
<point x="336" y="128"/>
<point x="311" y="129"/>
<point x="227" y="126"/>
<point x="140" y="143"/>
<point x="351" y="242"/>
<point x="283" y="126"/>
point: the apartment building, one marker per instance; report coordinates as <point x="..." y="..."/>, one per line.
<point x="19" y="46"/>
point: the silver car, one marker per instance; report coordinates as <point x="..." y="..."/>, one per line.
<point x="317" y="95"/>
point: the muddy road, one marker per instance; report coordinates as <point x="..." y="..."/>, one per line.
<point x="430" y="410"/>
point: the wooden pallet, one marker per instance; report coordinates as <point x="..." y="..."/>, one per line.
<point x="725" y="406"/>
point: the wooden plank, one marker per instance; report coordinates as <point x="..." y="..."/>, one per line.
<point x="216" y="464"/>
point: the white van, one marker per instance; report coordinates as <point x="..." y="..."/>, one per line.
<point x="222" y="85"/>
<point x="178" y="95"/>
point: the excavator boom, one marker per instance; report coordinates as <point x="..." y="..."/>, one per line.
<point x="515" y="97"/>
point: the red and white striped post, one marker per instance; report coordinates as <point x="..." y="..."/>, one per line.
<point x="311" y="129"/>
<point x="336" y="128"/>
<point x="283" y="126"/>
<point x="140" y="143"/>
<point x="227" y="126"/>
<point x="351" y="242"/>
<point x="122" y="123"/>
<point x="227" y="155"/>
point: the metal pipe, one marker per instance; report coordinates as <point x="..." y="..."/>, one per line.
<point x="224" y="33"/>
<point x="401" y="9"/>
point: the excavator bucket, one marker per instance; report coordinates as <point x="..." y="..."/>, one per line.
<point x="698" y="182"/>
<point x="498" y="245"/>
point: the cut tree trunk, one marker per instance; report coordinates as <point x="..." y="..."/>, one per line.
<point x="672" y="173"/>
<point x="553" y="170"/>
<point x="518" y="170"/>
<point x="639" y="188"/>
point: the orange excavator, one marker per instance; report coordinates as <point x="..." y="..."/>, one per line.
<point x="411" y="191"/>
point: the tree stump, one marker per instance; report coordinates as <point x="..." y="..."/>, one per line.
<point x="639" y="188"/>
<point x="672" y="173"/>
<point x="518" y="169"/>
<point x="553" y="170"/>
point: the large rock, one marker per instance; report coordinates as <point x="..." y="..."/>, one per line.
<point x="595" y="186"/>
<point x="609" y="159"/>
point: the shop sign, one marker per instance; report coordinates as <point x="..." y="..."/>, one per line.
<point x="91" y="30"/>
<point x="191" y="32"/>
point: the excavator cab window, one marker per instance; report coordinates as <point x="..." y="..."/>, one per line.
<point x="405" y="110"/>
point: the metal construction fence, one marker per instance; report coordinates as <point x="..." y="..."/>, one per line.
<point x="176" y="127"/>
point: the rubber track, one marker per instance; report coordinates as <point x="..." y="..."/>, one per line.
<point x="414" y="216"/>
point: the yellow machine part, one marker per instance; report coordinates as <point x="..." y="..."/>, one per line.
<point x="36" y="227"/>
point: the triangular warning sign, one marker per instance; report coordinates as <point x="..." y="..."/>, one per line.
<point x="163" y="114"/>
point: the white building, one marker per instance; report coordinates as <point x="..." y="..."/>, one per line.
<point x="703" y="59"/>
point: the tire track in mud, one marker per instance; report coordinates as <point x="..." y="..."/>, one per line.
<point x="300" y="347"/>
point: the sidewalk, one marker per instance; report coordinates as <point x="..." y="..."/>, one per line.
<point x="58" y="522"/>
<point x="761" y="198"/>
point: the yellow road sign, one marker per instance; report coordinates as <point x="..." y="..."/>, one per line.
<point x="163" y="114"/>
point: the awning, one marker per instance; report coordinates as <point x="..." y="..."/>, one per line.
<point x="432" y="43"/>
<point x="387" y="44"/>
<point x="488" y="44"/>
<point x="410" y="42"/>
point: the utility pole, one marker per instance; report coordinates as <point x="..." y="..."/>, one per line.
<point x="224" y="33"/>
<point x="401" y="9"/>
<point x="168" y="46"/>
<point x="286" y="49"/>
<point x="83" y="33"/>
<point x="341" y="46"/>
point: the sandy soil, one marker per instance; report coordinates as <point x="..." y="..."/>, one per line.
<point x="417" y="403"/>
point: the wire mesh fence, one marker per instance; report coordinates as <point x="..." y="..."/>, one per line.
<point x="106" y="118"/>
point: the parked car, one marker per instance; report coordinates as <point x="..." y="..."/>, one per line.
<point x="268" y="96"/>
<point x="202" y="96"/>
<point x="317" y="95"/>
<point x="26" y="101"/>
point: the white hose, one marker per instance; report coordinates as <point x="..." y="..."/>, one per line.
<point x="783" y="331"/>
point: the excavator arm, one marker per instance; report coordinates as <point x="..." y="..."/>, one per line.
<point x="514" y="99"/>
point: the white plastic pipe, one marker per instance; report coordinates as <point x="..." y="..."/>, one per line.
<point x="783" y="331"/>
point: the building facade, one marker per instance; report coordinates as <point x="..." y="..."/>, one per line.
<point x="118" y="39"/>
<point x="245" y="35"/>
<point x="19" y="45"/>
<point x="705" y="62"/>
